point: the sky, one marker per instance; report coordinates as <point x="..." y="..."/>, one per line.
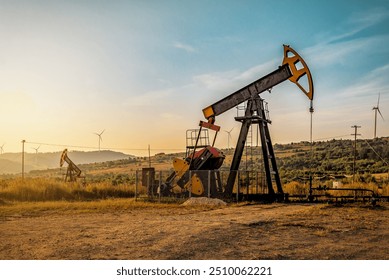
<point x="144" y="70"/>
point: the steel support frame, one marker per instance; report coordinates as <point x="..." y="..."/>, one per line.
<point x="255" y="113"/>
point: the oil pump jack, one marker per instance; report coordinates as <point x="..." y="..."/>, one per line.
<point x="72" y="172"/>
<point x="293" y="68"/>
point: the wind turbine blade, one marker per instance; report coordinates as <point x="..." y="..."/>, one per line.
<point x="102" y="131"/>
<point x="378" y="102"/>
<point x="378" y="109"/>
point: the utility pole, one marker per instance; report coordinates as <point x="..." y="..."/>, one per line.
<point x="23" y="141"/>
<point x="311" y="110"/>
<point x="149" y="157"/>
<point x="355" y="147"/>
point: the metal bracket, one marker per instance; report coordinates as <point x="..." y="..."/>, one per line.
<point x="292" y="61"/>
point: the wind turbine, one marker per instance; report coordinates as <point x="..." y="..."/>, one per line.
<point x="229" y="137"/>
<point x="100" y="139"/>
<point x="377" y="109"/>
<point x="36" y="154"/>
<point x="36" y="149"/>
<point x="1" y="148"/>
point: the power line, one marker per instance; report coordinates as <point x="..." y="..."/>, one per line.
<point x="109" y="148"/>
<point x="367" y="142"/>
<point x="60" y="145"/>
<point x="332" y="137"/>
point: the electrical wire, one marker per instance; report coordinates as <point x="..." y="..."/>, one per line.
<point x="333" y="137"/>
<point x="367" y="142"/>
<point x="109" y="148"/>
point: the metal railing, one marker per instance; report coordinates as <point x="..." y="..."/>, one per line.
<point x="151" y="184"/>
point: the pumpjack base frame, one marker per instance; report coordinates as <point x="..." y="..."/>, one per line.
<point x="263" y="198"/>
<point x="256" y="114"/>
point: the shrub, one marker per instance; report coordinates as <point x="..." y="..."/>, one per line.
<point x="296" y="188"/>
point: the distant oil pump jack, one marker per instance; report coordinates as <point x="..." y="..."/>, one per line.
<point x="72" y="172"/>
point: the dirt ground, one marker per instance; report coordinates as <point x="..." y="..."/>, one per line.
<point x="270" y="231"/>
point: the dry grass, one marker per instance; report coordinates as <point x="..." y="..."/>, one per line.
<point x="113" y="206"/>
<point x="383" y="190"/>
<point x="296" y="188"/>
<point x="75" y="207"/>
<point x="303" y="189"/>
<point x="41" y="189"/>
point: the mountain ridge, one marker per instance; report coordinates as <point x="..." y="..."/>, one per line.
<point x="11" y="163"/>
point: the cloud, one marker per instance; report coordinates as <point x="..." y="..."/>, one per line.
<point x="233" y="79"/>
<point x="332" y="53"/>
<point x="216" y="80"/>
<point x="170" y="116"/>
<point x="185" y="47"/>
<point x="332" y="49"/>
<point x="350" y="104"/>
<point x="356" y="23"/>
<point x="374" y="82"/>
<point x="148" y="99"/>
<point x="353" y="104"/>
<point x="369" y="18"/>
<point x="382" y="71"/>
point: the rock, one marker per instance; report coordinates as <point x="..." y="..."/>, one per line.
<point x="204" y="201"/>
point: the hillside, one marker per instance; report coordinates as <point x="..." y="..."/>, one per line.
<point x="10" y="163"/>
<point x="334" y="157"/>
